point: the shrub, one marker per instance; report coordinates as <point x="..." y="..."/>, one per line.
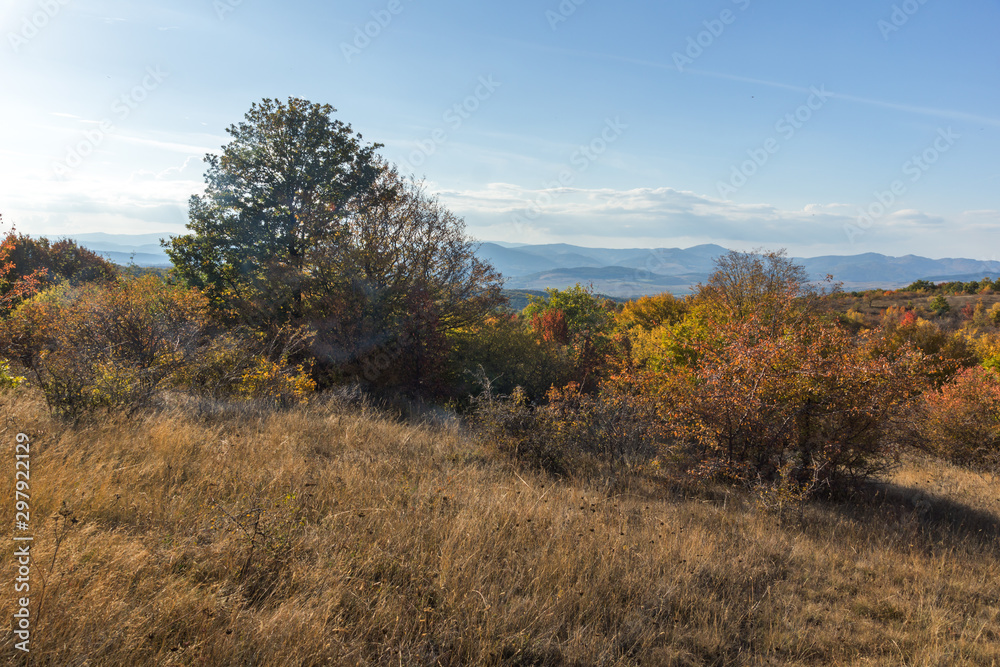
<point x="939" y="305"/>
<point x="813" y="401"/>
<point x="573" y="434"/>
<point x="7" y="379"/>
<point x="510" y="355"/>
<point x="961" y="421"/>
<point x="104" y="346"/>
<point x="246" y="364"/>
<point x="954" y="351"/>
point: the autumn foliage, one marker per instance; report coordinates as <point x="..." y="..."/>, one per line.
<point x="812" y="402"/>
<point x="118" y="346"/>
<point x="16" y="284"/>
<point x="745" y="381"/>
<point x="961" y="421"/>
<point x="110" y="346"/>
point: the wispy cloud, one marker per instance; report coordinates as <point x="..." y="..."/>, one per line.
<point x="666" y="216"/>
<point x="935" y="112"/>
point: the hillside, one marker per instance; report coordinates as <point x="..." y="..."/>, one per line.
<point x="333" y="534"/>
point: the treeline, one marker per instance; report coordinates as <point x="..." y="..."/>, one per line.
<point x="311" y="264"/>
<point x="984" y="286"/>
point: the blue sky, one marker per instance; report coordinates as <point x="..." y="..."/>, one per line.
<point x="825" y="128"/>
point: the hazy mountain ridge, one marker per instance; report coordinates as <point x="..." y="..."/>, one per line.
<point x="622" y="272"/>
<point x="124" y="249"/>
<point x="678" y="269"/>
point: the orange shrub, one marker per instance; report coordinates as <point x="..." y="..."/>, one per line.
<point x="812" y="402"/>
<point x="961" y="421"/>
<point x="110" y="346"/>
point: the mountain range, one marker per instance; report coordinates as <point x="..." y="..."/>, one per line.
<point x="625" y="272"/>
<point x="638" y="271"/>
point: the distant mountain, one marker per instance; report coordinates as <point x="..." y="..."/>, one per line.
<point x="139" y="258"/>
<point x="872" y="267"/>
<point x="638" y="271"/>
<point x="513" y="262"/>
<point x="624" y="272"/>
<point x="529" y="259"/>
<point x="142" y="249"/>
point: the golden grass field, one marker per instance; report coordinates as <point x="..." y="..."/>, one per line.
<point x="381" y="543"/>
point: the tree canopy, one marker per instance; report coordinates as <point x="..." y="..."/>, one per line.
<point x="301" y="223"/>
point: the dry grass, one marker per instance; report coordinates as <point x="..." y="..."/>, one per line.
<point x="382" y="543"/>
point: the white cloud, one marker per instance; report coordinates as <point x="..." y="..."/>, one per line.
<point x="665" y="216"/>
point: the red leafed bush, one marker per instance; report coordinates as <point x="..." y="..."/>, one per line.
<point x="551" y="326"/>
<point x="961" y="421"/>
<point x="810" y="401"/>
<point x="16" y="284"/>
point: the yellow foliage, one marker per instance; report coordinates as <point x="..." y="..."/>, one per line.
<point x="651" y="312"/>
<point x="7" y="379"/>
<point x="273" y="381"/>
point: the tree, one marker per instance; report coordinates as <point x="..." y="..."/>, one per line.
<point x="404" y="276"/>
<point x="650" y="312"/>
<point x="939" y="305"/>
<point x="16" y="284"/>
<point x="921" y="286"/>
<point x="302" y="224"/>
<point x="576" y="317"/>
<point x="767" y="284"/>
<point x="275" y="198"/>
<point x="52" y="263"/>
<point x="585" y="314"/>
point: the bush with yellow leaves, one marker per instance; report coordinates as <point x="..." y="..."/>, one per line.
<point x="112" y="345"/>
<point x="250" y="365"/>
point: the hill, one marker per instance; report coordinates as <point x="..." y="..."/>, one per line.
<point x="617" y="281"/>
<point x="334" y="534"/>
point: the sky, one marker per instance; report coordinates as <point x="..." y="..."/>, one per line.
<point x="823" y="128"/>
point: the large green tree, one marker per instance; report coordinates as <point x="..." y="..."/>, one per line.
<point x="274" y="199"/>
<point x="303" y="224"/>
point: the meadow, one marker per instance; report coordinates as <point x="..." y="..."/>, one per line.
<point x="336" y="533"/>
